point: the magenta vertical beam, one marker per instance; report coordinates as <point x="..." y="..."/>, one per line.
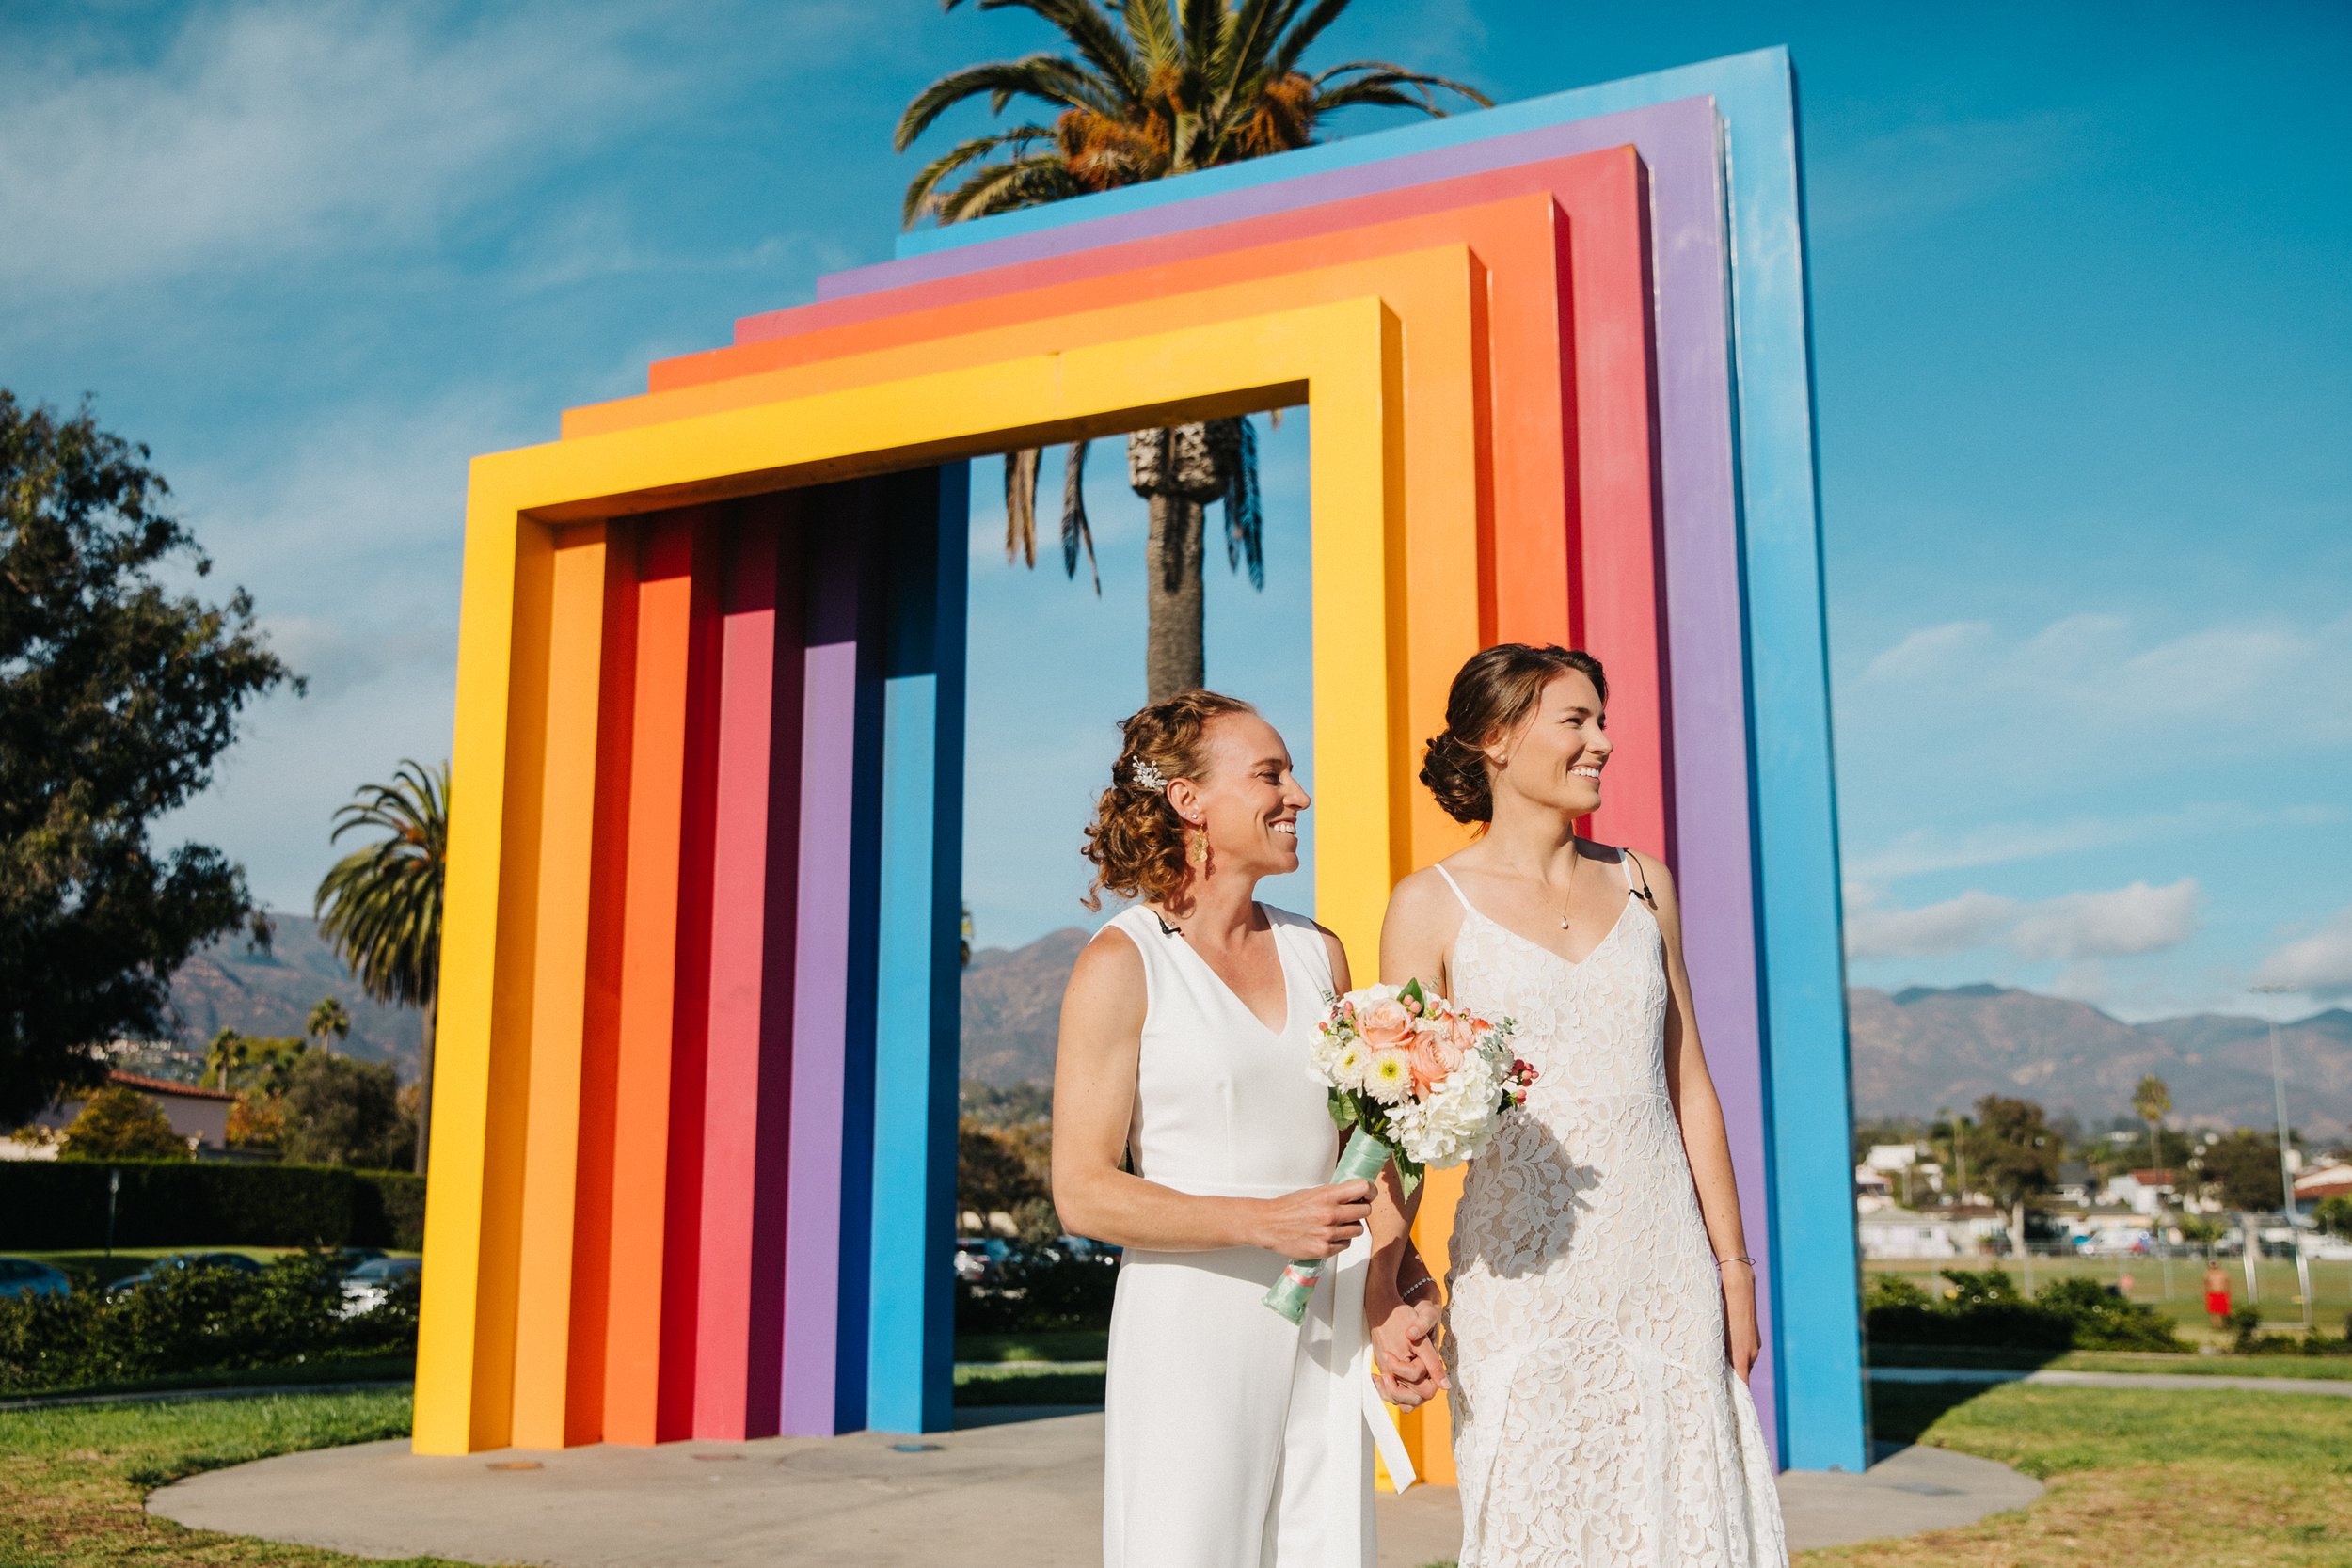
<point x="752" y="905"/>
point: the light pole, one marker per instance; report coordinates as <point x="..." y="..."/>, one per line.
<point x="2287" y="1172"/>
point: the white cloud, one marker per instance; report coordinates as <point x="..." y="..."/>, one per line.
<point x="1935" y="848"/>
<point x="2112" y="924"/>
<point x="2319" y="964"/>
<point x="269" y="132"/>
<point x="2098" y="686"/>
<point x="1928" y="650"/>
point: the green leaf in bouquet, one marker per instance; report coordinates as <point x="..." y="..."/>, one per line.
<point x="1409" y="1172"/>
<point x="1342" y="1108"/>
<point x="1412" y="988"/>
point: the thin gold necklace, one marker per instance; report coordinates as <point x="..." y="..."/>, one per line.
<point x="1567" y="899"/>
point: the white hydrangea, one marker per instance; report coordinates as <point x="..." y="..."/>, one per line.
<point x="1454" y="1123"/>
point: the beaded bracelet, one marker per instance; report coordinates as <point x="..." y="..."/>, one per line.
<point x="1418" y="1285"/>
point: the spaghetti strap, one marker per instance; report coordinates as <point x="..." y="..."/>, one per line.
<point x="1632" y="868"/>
<point x="1455" y="886"/>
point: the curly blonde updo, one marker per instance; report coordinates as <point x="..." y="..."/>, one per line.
<point x="1492" y="693"/>
<point x="1137" y="841"/>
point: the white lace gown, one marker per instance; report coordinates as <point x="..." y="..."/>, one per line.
<point x="1596" y="1420"/>
<point x="1233" y="1438"/>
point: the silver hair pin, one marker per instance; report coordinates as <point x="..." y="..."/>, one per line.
<point x="1147" y="776"/>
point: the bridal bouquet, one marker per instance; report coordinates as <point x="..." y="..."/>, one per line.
<point x="1420" y="1081"/>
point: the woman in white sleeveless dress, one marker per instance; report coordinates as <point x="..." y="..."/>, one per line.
<point x="1600" y="1311"/>
<point x="1188" y="1130"/>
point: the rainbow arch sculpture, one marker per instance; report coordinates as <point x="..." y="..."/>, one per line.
<point x="694" y="1124"/>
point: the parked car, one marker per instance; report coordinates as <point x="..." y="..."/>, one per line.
<point x="22" y="1276"/>
<point x="1086" y="1250"/>
<point x="366" y="1287"/>
<point x="980" y="1259"/>
<point x="2328" y="1251"/>
<point x="179" y="1263"/>
<point x="348" y="1259"/>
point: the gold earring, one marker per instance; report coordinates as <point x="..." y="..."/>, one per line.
<point x="1197" y="849"/>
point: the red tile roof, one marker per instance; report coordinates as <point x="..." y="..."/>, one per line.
<point x="165" y="1086"/>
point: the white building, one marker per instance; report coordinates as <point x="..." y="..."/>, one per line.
<point x="1891" y="1232"/>
<point x="2143" y="1192"/>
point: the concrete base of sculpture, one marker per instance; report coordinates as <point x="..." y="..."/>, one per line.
<point x="1017" y="1487"/>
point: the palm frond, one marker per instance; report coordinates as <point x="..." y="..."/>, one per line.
<point x="1021" y="505"/>
<point x="1152" y="24"/>
<point x="1028" y="180"/>
<point x="922" y="190"/>
<point x="1302" y="35"/>
<point x="1250" y="32"/>
<point x="1041" y="76"/>
<point x="1204" y="23"/>
<point x="1089" y="31"/>
<point x="1244" y="517"/>
<point x="1383" y="75"/>
<point x="380" y="906"/>
<point x="1075" y="529"/>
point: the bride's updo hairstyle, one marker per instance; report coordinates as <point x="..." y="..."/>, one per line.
<point x="1137" y="841"/>
<point x="1493" y="693"/>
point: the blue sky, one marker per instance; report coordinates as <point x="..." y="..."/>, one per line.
<point x="2082" y="332"/>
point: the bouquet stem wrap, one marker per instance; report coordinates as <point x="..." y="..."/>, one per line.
<point x="1360" y="1161"/>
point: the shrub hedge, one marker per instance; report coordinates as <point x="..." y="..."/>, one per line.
<point x="197" y="1321"/>
<point x="1036" y="1291"/>
<point x="61" y="1205"/>
<point x="1984" y="1308"/>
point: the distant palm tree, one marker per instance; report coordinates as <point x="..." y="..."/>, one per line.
<point x="1149" y="89"/>
<point x="380" y="906"/>
<point x="329" y="1018"/>
<point x="2153" y="1102"/>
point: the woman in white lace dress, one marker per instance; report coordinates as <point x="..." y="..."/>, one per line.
<point x="1600" y="1311"/>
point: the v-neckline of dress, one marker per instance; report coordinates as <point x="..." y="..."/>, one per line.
<point x="1607" y="937"/>
<point x="1274" y="1030"/>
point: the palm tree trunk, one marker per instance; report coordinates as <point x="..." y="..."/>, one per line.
<point x="1172" y="659"/>
<point x="424" y="1090"/>
<point x="2025" y="1258"/>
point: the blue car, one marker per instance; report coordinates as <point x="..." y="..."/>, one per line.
<point x="179" y="1263"/>
<point x="22" y="1276"/>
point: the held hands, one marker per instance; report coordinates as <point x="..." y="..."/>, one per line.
<point x="1404" y="1335"/>
<point x="1314" y="1222"/>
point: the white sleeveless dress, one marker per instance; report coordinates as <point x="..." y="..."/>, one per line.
<point x="1596" y="1420"/>
<point x="1233" y="1438"/>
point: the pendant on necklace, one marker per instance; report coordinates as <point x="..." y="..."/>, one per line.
<point x="1563" y="922"/>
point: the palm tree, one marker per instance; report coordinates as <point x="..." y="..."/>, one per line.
<point x="1147" y="90"/>
<point x="380" y="906"/>
<point x="329" y="1018"/>
<point x="2153" y="1102"/>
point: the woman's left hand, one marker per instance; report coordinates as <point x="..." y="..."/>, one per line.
<point x="1742" y="1343"/>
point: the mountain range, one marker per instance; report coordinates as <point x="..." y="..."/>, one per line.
<point x="1915" y="1051"/>
<point x="228" y="986"/>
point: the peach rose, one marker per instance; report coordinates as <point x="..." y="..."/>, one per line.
<point x="1384" y="1025"/>
<point x="1465" y="1033"/>
<point x="1435" y="1055"/>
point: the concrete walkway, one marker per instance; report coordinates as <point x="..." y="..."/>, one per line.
<point x="1014" y="1488"/>
<point x="2340" y="1388"/>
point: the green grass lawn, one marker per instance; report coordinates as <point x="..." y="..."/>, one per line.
<point x="2337" y="1368"/>
<point x="72" y="1481"/>
<point x="2147" y="1478"/>
<point x="1073" y="1344"/>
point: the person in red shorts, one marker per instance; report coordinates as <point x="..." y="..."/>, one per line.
<point x="2216" y="1294"/>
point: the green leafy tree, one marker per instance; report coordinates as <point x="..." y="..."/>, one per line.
<point x="2016" y="1154"/>
<point x="380" y="906"/>
<point x="2335" y="1215"/>
<point x="262" y="1062"/>
<point x="329" y="1020"/>
<point x="120" y="1123"/>
<point x="996" y="1168"/>
<point x="118" y="692"/>
<point x="2244" y="1165"/>
<point x="2153" y="1101"/>
<point x="342" y="1111"/>
<point x="1145" y="89"/>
